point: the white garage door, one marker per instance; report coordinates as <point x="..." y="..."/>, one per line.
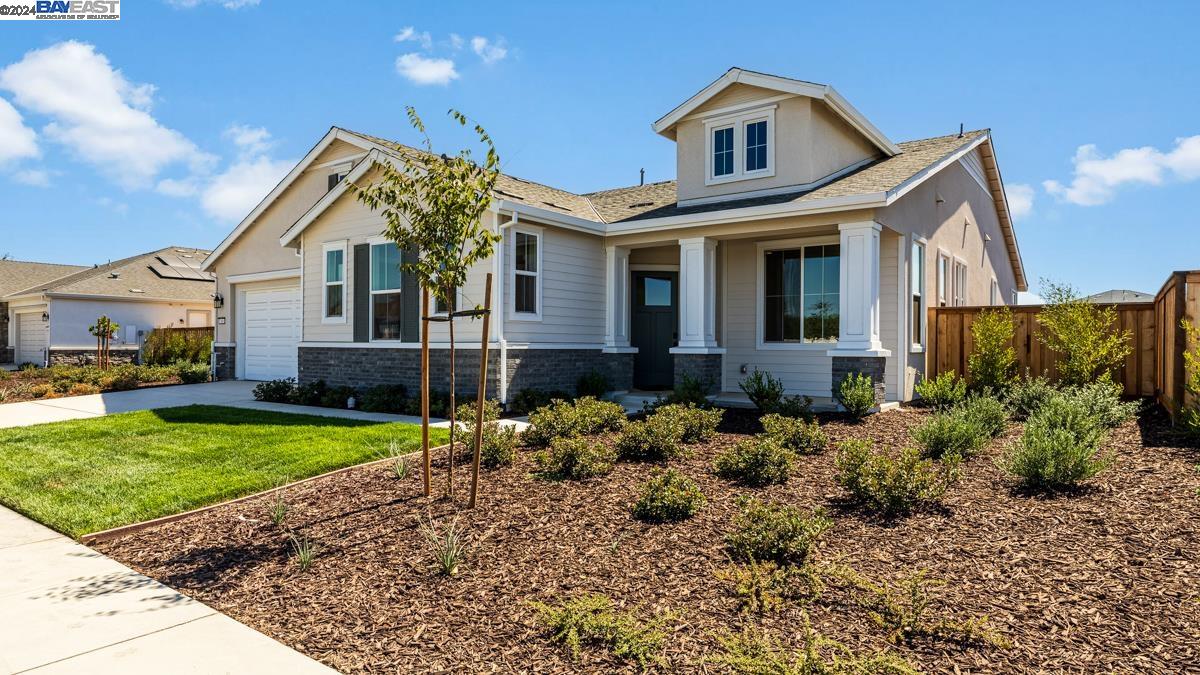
<point x="272" y="333"/>
<point x="32" y="336"/>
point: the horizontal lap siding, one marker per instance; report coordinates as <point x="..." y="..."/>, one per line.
<point x="889" y="312"/>
<point x="573" y="290"/>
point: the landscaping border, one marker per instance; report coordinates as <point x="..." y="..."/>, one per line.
<point x="117" y="532"/>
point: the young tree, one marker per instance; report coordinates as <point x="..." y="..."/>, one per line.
<point x="993" y="361"/>
<point x="434" y="205"/>
<point x="1084" y="334"/>
<point x="104" y="329"/>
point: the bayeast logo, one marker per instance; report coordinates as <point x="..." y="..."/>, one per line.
<point x="62" y="10"/>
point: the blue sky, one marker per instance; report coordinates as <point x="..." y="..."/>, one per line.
<point x="166" y="127"/>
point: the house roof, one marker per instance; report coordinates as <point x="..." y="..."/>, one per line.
<point x="1119" y="295"/>
<point x="18" y="274"/>
<point x="171" y="273"/>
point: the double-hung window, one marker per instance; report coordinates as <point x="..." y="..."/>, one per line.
<point x="756" y="146"/>
<point x="527" y="275"/>
<point x="333" y="303"/>
<point x="960" y="283"/>
<point x="722" y="152"/>
<point x="385" y="292"/>
<point x="801" y="294"/>
<point x="917" y="307"/>
<point x="943" y="280"/>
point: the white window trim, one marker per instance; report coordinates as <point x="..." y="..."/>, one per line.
<point x="325" y="283"/>
<point x="760" y="286"/>
<point x="943" y="254"/>
<point x="371" y="293"/>
<point x="738" y="122"/>
<point x="918" y="347"/>
<point x="513" y="314"/>
<point x="960" y="285"/>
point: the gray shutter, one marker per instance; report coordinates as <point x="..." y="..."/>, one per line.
<point x="362" y="292"/>
<point x="410" y="296"/>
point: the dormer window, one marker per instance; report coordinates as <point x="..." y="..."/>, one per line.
<point x="741" y="145"/>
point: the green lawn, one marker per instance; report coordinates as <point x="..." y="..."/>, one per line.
<point x="89" y="475"/>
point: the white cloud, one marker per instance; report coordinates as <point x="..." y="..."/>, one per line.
<point x="17" y="141"/>
<point x="33" y="177"/>
<point x="232" y="194"/>
<point x="249" y="140"/>
<point x="227" y="4"/>
<point x="422" y="70"/>
<point x="456" y="41"/>
<point x="1097" y="177"/>
<point x="410" y="34"/>
<point x="178" y="187"/>
<point x="489" y="51"/>
<point x="1020" y="199"/>
<point x="98" y="113"/>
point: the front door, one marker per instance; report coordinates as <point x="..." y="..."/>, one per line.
<point x="654" y="328"/>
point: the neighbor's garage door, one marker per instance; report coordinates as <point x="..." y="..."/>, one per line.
<point x="32" y="336"/>
<point x="272" y="333"/>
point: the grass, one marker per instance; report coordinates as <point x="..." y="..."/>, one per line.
<point x="90" y="475"/>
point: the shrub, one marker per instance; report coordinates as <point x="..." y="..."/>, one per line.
<point x="594" y="383"/>
<point x="856" y="394"/>
<point x="943" y="391"/>
<point x="796" y="406"/>
<point x="310" y="393"/>
<point x="1084" y="334"/>
<point x="668" y="496"/>
<point x="765" y="586"/>
<point x="563" y="419"/>
<point x="385" y="398"/>
<point x="1027" y="395"/>
<point x="592" y="620"/>
<point x="765" y="391"/>
<point x="43" y="391"/>
<point x="447" y="545"/>
<point x="755" y="462"/>
<point x="993" y="361"/>
<point x="1189" y="416"/>
<point x="121" y="378"/>
<point x="529" y="400"/>
<point x="949" y="433"/>
<point x="164" y="346"/>
<point x="499" y="447"/>
<point x="694" y="424"/>
<point x="191" y="372"/>
<point x="986" y="412"/>
<point x="794" y="433"/>
<point x="892" y="486"/>
<point x="1060" y="447"/>
<point x="752" y="652"/>
<point x="655" y="439"/>
<point x="305" y="550"/>
<point x="777" y="533"/>
<point x="276" y="391"/>
<point x="28" y="367"/>
<point x="83" y="389"/>
<point x="338" y="397"/>
<point x="574" y="458"/>
<point x="1102" y="401"/>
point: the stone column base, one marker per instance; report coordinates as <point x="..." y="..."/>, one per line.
<point x="872" y="366"/>
<point x="8" y="355"/>
<point x="706" y="368"/>
<point x="87" y="357"/>
<point x="225" y="358"/>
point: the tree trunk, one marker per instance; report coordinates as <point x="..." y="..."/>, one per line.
<point x="481" y="395"/>
<point x="453" y="423"/>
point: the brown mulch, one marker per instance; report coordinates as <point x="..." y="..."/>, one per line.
<point x="1105" y="579"/>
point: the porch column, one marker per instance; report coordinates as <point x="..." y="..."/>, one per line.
<point x="858" y="299"/>
<point x="697" y="295"/>
<point x="616" y="278"/>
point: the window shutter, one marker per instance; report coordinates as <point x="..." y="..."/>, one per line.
<point x="410" y="299"/>
<point x="333" y="180"/>
<point x="362" y="293"/>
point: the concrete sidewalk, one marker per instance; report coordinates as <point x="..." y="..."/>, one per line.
<point x="65" y="608"/>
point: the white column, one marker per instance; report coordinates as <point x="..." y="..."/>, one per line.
<point x="697" y="297"/>
<point x="616" y="312"/>
<point x="858" y="303"/>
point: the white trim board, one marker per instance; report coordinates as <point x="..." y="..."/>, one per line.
<point x="263" y="276"/>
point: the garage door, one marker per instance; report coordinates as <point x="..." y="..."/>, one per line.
<point x="32" y="334"/>
<point x="272" y="333"/>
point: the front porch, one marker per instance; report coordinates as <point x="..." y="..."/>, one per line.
<point x="806" y="304"/>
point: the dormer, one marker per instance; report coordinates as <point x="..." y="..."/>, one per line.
<point x="749" y="135"/>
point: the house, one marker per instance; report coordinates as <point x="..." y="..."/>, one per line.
<point x="797" y="239"/>
<point x="1118" y="296"/>
<point x="47" y="309"/>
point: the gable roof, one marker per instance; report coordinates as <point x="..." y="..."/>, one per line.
<point x="822" y="92"/>
<point x="1119" y="295"/>
<point x="147" y="276"/>
<point x="18" y="274"/>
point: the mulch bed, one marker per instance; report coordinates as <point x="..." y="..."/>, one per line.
<point x="17" y="388"/>
<point x="1106" y="579"/>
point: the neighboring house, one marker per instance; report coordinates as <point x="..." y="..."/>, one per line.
<point x="48" y="315"/>
<point x="798" y="239"/>
<point x="1118" y="296"/>
<point x="16" y="275"/>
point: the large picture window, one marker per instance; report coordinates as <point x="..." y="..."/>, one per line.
<point x="334" y="299"/>
<point x="527" y="270"/>
<point x="385" y="292"/>
<point x="800" y="294"/>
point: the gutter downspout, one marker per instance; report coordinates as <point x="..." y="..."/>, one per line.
<point x="499" y="317"/>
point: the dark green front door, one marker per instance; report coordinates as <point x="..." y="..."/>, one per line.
<point x="654" y="328"/>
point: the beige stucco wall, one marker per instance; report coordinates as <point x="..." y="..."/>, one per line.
<point x="258" y="249"/>
<point x="810" y="143"/>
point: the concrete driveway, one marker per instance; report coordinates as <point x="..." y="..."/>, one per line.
<point x="98" y="405"/>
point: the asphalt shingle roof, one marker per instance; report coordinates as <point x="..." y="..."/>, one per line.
<point x="18" y="274"/>
<point x="133" y="277"/>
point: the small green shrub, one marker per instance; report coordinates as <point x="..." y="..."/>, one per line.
<point x="777" y="533"/>
<point x="499" y="447"/>
<point x="310" y="393"/>
<point x="563" y="419"/>
<point x="755" y="462"/>
<point x="943" y="391"/>
<point x="796" y="406"/>
<point x="993" y="361"/>
<point x="191" y="373"/>
<point x="690" y="391"/>
<point x="766" y="586"/>
<point x="949" y="433"/>
<point x="856" y="394"/>
<point x="694" y="424"/>
<point x="764" y="390"/>
<point x="794" y="433"/>
<point x="753" y="652"/>
<point x="338" y="397"/>
<point x="594" y="384"/>
<point x="121" y="378"/>
<point x="986" y="412"/>
<point x="28" y="367"/>
<point x="655" y="439"/>
<point x="1102" y="400"/>
<point x="592" y="620"/>
<point x="575" y="458"/>
<point x="1027" y="395"/>
<point x="385" y="398"/>
<point x="893" y="486"/>
<point x="1060" y="447"/>
<point x="305" y="550"/>
<point x="667" y="497"/>
<point x="447" y="545"/>
<point x="1087" y="336"/>
<point x="529" y="399"/>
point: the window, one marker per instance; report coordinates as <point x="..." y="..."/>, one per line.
<point x="385" y="292"/>
<point x="917" y="317"/>
<point x="527" y="265"/>
<point x="439" y="307"/>
<point x="943" y="280"/>
<point x="337" y="176"/>
<point x="960" y="283"/>
<point x="800" y="294"/>
<point x="334" y="301"/>
<point x="756" y="146"/>
<point x="994" y="298"/>
<point x="722" y="148"/>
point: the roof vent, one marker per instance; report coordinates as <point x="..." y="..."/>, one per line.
<point x="136" y="290"/>
<point x="114" y="275"/>
<point x="640" y="205"/>
<point x="556" y="206"/>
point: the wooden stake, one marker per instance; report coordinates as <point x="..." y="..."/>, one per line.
<point x="425" y="388"/>
<point x="481" y="395"/>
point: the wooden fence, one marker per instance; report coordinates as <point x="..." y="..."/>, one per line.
<point x="951" y="343"/>
<point x="1178" y="300"/>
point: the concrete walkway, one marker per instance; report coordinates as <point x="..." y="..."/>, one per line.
<point x="65" y="608"/>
